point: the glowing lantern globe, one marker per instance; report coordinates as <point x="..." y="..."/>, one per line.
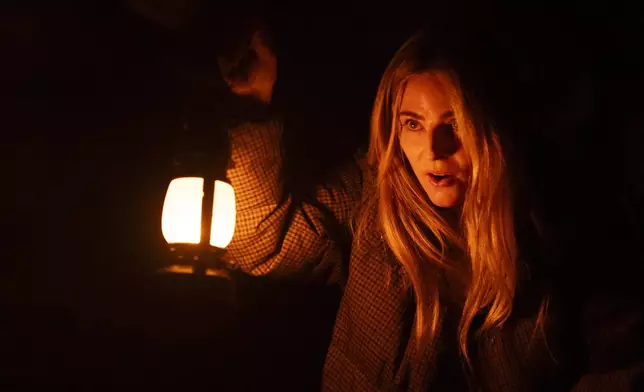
<point x="198" y="222"/>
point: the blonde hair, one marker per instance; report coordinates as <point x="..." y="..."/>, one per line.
<point x="420" y="238"/>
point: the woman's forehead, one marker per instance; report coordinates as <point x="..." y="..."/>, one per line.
<point x="426" y="94"/>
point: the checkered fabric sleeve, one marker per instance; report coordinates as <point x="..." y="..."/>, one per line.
<point x="277" y="234"/>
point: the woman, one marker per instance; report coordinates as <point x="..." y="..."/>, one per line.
<point x="444" y="289"/>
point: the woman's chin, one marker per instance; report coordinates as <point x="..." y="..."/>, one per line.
<point x="444" y="204"/>
<point x="444" y="199"/>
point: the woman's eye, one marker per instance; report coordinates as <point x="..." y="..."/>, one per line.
<point x="412" y="125"/>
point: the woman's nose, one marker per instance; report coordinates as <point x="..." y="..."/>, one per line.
<point x="443" y="142"/>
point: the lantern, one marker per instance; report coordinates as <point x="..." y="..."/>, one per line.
<point x="198" y="222"/>
<point x="198" y="215"/>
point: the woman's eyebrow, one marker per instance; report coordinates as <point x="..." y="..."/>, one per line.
<point x="413" y="115"/>
<point x="448" y="114"/>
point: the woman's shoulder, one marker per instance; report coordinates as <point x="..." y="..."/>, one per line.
<point x="354" y="178"/>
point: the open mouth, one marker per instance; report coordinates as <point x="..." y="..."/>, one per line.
<point x="441" y="179"/>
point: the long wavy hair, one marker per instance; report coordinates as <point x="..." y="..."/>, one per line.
<point x="481" y="253"/>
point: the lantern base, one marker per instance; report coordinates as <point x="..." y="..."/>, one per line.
<point x="189" y="269"/>
<point x="197" y="259"/>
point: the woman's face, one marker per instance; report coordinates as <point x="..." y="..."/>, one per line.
<point x="429" y="141"/>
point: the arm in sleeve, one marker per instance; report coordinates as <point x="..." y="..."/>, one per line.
<point x="276" y="233"/>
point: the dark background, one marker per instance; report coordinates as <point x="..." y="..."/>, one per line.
<point x="94" y="95"/>
<point x="92" y="98"/>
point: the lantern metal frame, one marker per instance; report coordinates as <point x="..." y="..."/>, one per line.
<point x="205" y="156"/>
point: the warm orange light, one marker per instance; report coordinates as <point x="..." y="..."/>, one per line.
<point x="188" y="269"/>
<point x="181" y="217"/>
<point x="179" y="269"/>
<point x="223" y="215"/>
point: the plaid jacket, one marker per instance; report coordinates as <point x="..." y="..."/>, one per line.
<point x="373" y="346"/>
